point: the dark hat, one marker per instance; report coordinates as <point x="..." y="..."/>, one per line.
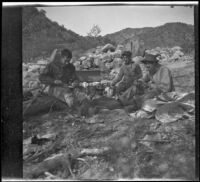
<point x="126" y="53"/>
<point x="149" y="58"/>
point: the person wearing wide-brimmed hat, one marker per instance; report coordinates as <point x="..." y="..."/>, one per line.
<point x="158" y="78"/>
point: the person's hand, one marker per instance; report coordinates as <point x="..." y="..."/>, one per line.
<point x="58" y="82"/>
<point x="140" y="80"/>
<point x="112" y="84"/>
<point x="151" y="84"/>
<point x="74" y="84"/>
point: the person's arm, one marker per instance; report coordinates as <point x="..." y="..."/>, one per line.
<point x="53" y="55"/>
<point x="118" y="77"/>
<point x="165" y="81"/>
<point x="75" y="79"/>
<point x="145" y="78"/>
<point x="46" y="76"/>
<point x="138" y="72"/>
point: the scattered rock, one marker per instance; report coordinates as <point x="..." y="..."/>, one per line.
<point x="108" y="47"/>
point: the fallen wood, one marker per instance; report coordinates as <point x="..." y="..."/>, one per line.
<point x="94" y="151"/>
<point x="32" y="101"/>
<point x="41" y="105"/>
<point x="144" y="140"/>
<point x="60" y="162"/>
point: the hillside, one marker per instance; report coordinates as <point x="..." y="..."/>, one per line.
<point x="41" y="36"/>
<point x="127" y="33"/>
<point x="167" y="35"/>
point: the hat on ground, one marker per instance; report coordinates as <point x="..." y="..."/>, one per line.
<point x="149" y="58"/>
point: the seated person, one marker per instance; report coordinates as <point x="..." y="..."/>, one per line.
<point x="158" y="78"/>
<point x="129" y="73"/>
<point x="58" y="73"/>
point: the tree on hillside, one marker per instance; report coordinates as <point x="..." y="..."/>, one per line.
<point x="94" y="31"/>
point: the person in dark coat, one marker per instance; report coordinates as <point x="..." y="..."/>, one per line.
<point x="59" y="75"/>
<point x="60" y="70"/>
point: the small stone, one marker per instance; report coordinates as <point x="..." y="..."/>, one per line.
<point x="133" y="145"/>
<point x="163" y="167"/>
<point x="111" y="169"/>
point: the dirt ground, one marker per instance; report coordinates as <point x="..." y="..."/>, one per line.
<point x="110" y="144"/>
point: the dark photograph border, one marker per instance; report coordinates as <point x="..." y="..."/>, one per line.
<point x="11" y="92"/>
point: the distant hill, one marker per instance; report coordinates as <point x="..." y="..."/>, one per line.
<point x="167" y="35"/>
<point x="41" y="35"/>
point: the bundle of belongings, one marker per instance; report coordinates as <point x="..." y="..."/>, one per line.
<point x="167" y="107"/>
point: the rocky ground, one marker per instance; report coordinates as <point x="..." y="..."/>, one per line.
<point x="113" y="144"/>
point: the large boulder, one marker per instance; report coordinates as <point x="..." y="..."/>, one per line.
<point x="86" y="64"/>
<point x="108" y="92"/>
<point x="120" y="47"/>
<point x="102" y="66"/>
<point x="109" y="65"/>
<point x="158" y="49"/>
<point x="34" y="68"/>
<point x="108" y="47"/>
<point x="114" y="73"/>
<point x="137" y="59"/>
<point x="77" y="65"/>
<point x="97" y="61"/>
<point x="152" y="51"/>
<point x="31" y="75"/>
<point x="117" y="54"/>
<point x="98" y="50"/>
<point x="25" y="67"/>
<point x="164" y="56"/>
<point x="177" y="55"/>
<point x="83" y="58"/>
<point x="176" y="48"/>
<point x="106" y="57"/>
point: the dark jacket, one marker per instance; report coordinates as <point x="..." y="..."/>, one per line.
<point x="55" y="71"/>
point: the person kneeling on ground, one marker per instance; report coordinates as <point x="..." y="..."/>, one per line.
<point x="128" y="75"/>
<point x="59" y="75"/>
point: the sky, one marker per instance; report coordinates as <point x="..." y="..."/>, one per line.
<point x="110" y="19"/>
